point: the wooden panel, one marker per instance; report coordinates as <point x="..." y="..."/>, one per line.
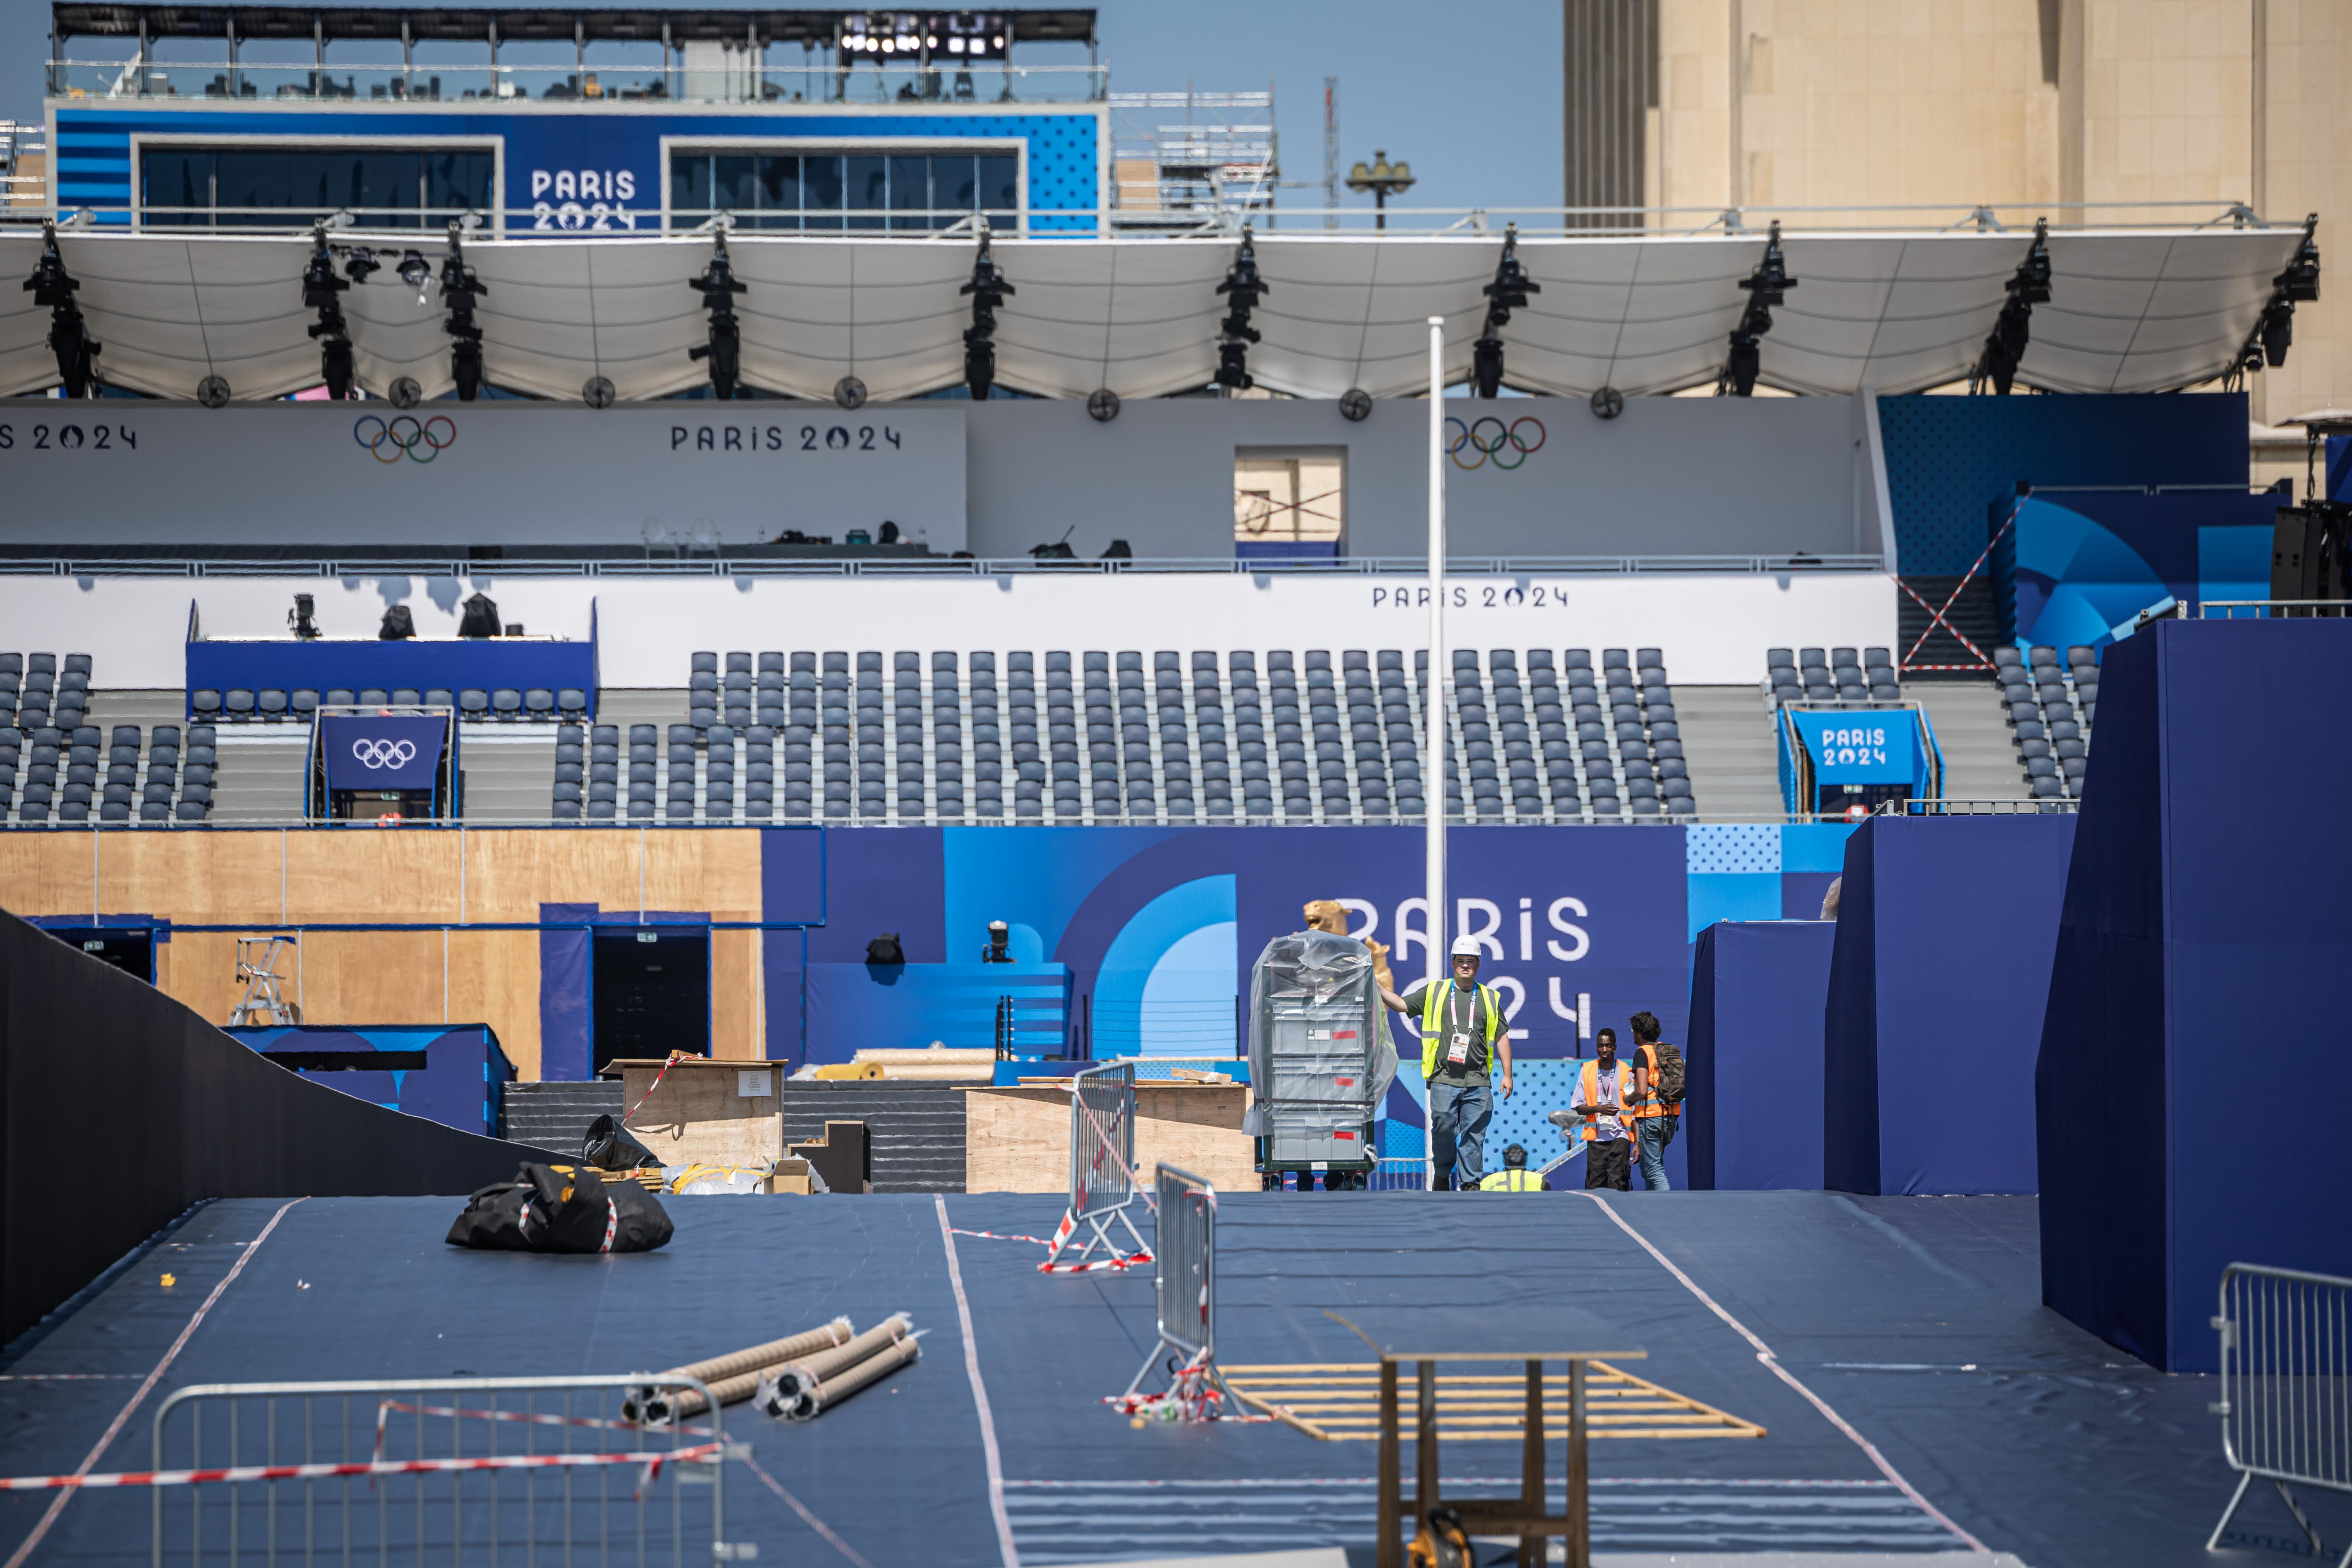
<point x="344" y="876"/>
<point x="209" y="878"/>
<point x="1018" y="1139"/>
<point x="696" y="1115"/>
<point x="371" y="977"/>
<point x="46" y="873"/>
<point x="494" y="980"/>
<point x="735" y="995"/>
<point x="203" y="974"/>
<point x="510" y="872"/>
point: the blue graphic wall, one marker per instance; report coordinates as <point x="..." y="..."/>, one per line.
<point x="1951" y="459"/>
<point x="622" y="151"/>
<point x="2075" y="569"/>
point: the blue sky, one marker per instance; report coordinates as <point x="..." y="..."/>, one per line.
<point x="1469" y="93"/>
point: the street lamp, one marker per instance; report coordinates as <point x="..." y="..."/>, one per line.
<point x="1383" y="179"/>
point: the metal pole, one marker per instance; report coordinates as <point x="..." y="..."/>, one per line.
<point x="1435" y="768"/>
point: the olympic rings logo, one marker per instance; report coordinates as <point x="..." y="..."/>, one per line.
<point x="380" y="754"/>
<point x="1509" y="439"/>
<point x="404" y="433"/>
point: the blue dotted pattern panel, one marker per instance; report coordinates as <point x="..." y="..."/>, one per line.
<point x="1950" y="459"/>
<point x="1731" y="846"/>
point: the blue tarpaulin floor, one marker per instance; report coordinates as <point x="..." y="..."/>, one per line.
<point x="1916" y="1321"/>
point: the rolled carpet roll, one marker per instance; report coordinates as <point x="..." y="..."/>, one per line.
<point x="651" y="1405"/>
<point x="817" y="1397"/>
<point x="794" y="1377"/>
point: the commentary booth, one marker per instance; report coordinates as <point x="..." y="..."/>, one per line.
<point x="381" y="764"/>
<point x="1840" y="761"/>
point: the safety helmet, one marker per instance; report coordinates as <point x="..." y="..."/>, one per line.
<point x="1468" y="947"/>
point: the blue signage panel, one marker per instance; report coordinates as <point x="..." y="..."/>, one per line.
<point x="1870" y="747"/>
<point x="383" y="750"/>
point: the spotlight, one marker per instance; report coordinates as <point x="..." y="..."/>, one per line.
<point x="988" y="290"/>
<point x="2029" y="287"/>
<point x="51" y="285"/>
<point x="1507" y="292"/>
<point x="2274" y="331"/>
<point x="459" y="289"/>
<point x="724" y="350"/>
<point x="1242" y="290"/>
<point x="1767" y="286"/>
<point x="415" y="271"/>
<point x="320" y="292"/>
<point x="298" y="617"/>
<point x="998" y="947"/>
<point x="361" y="264"/>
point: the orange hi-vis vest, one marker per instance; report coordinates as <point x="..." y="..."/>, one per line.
<point x="1589" y="1094"/>
<point x="1647" y="1102"/>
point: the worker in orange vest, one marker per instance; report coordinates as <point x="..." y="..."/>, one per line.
<point x="1604" y="1101"/>
<point x="1657" y="1101"/>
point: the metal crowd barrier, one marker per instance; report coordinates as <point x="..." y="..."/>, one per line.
<point x="1102" y="1173"/>
<point x="439" y="1471"/>
<point x="2287" y="1386"/>
<point x="1185" y="1291"/>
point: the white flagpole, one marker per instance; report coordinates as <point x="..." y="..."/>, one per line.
<point x="1434" y="767"/>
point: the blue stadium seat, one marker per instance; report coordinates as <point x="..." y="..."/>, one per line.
<point x="406" y="696"/>
<point x="506" y="702"/>
<point x="539" y="702"/>
<point x="570" y="701"/>
<point x="473" y="703"/>
<point x="338" y="697"/>
<point x="204" y="701"/>
<point x="374" y="697"/>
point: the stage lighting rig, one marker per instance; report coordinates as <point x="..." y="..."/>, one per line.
<point x="52" y="286"/>
<point x="1767" y="286"/>
<point x="415" y="271"/>
<point x="459" y="289"/>
<point x="988" y="290"/>
<point x="320" y="292"/>
<point x="360" y="263"/>
<point x="2028" y="287"/>
<point x="1242" y="290"/>
<point x="301" y="618"/>
<point x="2274" y="331"/>
<point x="725" y="349"/>
<point x="1507" y="292"/>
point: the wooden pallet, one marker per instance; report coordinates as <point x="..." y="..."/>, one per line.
<point x="1340" y="1401"/>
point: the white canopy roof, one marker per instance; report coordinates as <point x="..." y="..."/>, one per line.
<point x="2129" y="311"/>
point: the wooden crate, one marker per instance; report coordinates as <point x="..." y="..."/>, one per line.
<point x="699" y="1116"/>
<point x="1018" y="1139"/>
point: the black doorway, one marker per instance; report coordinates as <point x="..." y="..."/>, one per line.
<point x="653" y="992"/>
<point x="131" y="950"/>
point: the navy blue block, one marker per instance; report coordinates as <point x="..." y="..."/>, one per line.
<point x="1753" y="1117"/>
<point x="2192" y="1074"/>
<point x="1945" y="931"/>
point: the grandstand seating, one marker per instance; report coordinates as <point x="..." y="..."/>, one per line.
<point x="1126" y="737"/>
<point x="505" y="704"/>
<point x="2050" y="710"/>
<point x="1832" y="674"/>
<point x="55" y="767"/>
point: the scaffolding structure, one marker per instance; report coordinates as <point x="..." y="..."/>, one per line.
<point x="1184" y="160"/>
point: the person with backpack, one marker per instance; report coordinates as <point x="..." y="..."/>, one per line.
<point x="1658" y="1080"/>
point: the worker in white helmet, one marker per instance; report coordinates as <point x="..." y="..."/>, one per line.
<point x="1463" y="1037"/>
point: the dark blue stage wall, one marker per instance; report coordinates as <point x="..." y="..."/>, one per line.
<point x="1936" y="988"/>
<point x="1753" y="1120"/>
<point x="2193" y="1074"/>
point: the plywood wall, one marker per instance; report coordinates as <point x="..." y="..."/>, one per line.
<point x="275" y="880"/>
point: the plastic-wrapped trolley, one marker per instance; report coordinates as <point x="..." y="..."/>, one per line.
<point x="1320" y="1059"/>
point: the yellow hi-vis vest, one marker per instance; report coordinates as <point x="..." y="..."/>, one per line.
<point x="1432" y="1023"/>
<point x="1509" y="1181"/>
<point x="1588" y="1093"/>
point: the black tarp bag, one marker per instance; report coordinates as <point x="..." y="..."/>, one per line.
<point x="479" y="618"/>
<point x="398" y="625"/>
<point x="609" y="1146"/>
<point x="561" y="1208"/>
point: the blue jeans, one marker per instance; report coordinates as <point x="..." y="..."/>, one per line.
<point x="1458" y="1115"/>
<point x="1651" y="1131"/>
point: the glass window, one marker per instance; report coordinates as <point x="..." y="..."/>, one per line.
<point x="954" y="187"/>
<point x="689" y="187"/>
<point x="457" y="182"/>
<point x="259" y="186"/>
<point x="1000" y="183"/>
<point x="911" y="190"/>
<point x="735" y="185"/>
<point x="780" y="191"/>
<point x="823" y="188"/>
<point x="177" y="177"/>
<point x="868" y="190"/>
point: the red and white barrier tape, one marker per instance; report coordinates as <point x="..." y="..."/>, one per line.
<point x="1193" y="1396"/>
<point x="675" y="1057"/>
<point x="652" y="1461"/>
<point x="531" y="1418"/>
<point x="993" y="1235"/>
<point x="1096" y="1266"/>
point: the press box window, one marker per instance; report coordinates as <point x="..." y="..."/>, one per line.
<point x="830" y="192"/>
<point x="260" y="187"/>
<point x="1289" y="504"/>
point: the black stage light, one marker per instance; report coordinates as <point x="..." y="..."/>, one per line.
<point x="988" y="290"/>
<point x="306" y="629"/>
<point x="51" y="285"/>
<point x="1767" y="286"/>
<point x="415" y="271"/>
<point x="725" y="349"/>
<point x="998" y="948"/>
<point x="1242" y="290"/>
<point x="361" y="264"/>
<point x="2028" y="287"/>
<point x="320" y="292"/>
<point x="1507" y="292"/>
<point x="2274" y="331"/>
<point x="459" y="289"/>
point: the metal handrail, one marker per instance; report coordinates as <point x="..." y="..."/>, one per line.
<point x="2316" y="609"/>
<point x="940" y="566"/>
